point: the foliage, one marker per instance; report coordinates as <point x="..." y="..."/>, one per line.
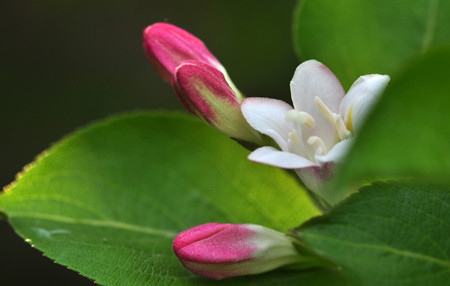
<point x="356" y="37"/>
<point x="392" y="234"/>
<point x="108" y="200"/>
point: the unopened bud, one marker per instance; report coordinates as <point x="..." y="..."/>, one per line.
<point x="204" y="91"/>
<point x="219" y="251"/>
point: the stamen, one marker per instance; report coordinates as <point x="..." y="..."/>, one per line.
<point x="317" y="144"/>
<point x="293" y="138"/>
<point x="300" y="117"/>
<point x="325" y="110"/>
<point x="335" y="119"/>
<point x="341" y="129"/>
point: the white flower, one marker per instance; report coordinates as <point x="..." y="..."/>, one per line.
<point x="318" y="131"/>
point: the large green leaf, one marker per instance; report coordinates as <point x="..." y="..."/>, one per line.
<point x="108" y="200"/>
<point x="408" y="133"/>
<point x="394" y="234"/>
<point x="356" y="37"/>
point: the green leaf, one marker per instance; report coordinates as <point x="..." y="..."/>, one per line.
<point x="394" y="234"/>
<point x="408" y="133"/>
<point x="356" y="37"/>
<point x="108" y="200"/>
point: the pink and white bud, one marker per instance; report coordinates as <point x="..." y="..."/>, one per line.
<point x="219" y="251"/>
<point x="204" y="91"/>
<point x="168" y="46"/>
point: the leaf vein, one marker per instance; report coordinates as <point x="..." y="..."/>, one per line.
<point x="386" y="248"/>
<point x="97" y="223"/>
<point x="414" y="227"/>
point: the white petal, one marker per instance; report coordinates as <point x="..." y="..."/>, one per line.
<point x="271" y="156"/>
<point x="312" y="79"/>
<point x="268" y="116"/>
<point x="361" y="97"/>
<point x="337" y="153"/>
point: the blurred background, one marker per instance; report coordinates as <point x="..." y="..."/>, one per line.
<point x="65" y="64"/>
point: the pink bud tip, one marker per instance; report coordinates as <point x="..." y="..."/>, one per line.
<point x="218" y="251"/>
<point x="167" y="46"/>
<point x="227" y="242"/>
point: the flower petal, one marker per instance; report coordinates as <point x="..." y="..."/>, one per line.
<point x="311" y="79"/>
<point x="337" y="153"/>
<point x="316" y="178"/>
<point x="271" y="156"/>
<point x="268" y="116"/>
<point x="363" y="94"/>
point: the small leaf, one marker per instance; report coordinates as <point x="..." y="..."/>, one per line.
<point x="356" y="37"/>
<point x="388" y="234"/>
<point x="408" y="133"/>
<point x="108" y="200"/>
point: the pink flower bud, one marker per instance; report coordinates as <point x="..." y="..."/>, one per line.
<point x="218" y="251"/>
<point x="204" y="91"/>
<point x="167" y="46"/>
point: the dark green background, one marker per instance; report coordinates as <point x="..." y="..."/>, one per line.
<point x="64" y="64"/>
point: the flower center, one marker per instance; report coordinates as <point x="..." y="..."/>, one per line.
<point x="299" y="141"/>
<point x="298" y="135"/>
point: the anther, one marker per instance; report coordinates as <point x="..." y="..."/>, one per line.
<point x="300" y="117"/>
<point x="317" y="144"/>
<point x="349" y="120"/>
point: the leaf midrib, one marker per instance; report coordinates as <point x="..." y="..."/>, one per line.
<point x="97" y="223"/>
<point x="395" y="251"/>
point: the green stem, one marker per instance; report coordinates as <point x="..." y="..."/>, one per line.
<point x="309" y="258"/>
